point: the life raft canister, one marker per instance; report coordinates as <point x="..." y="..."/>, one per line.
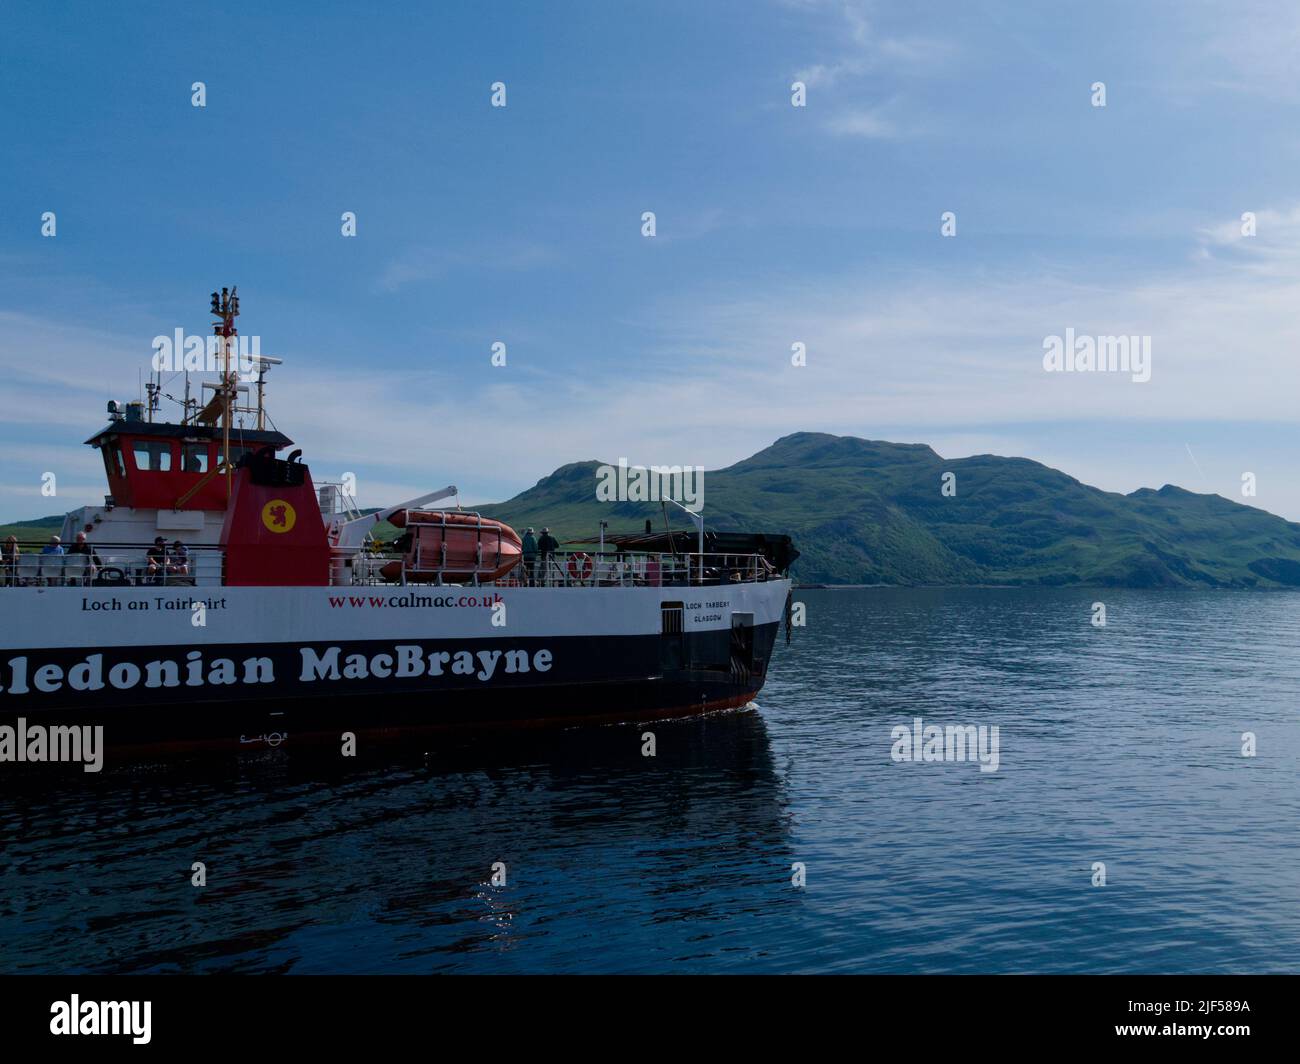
<point x="580" y="566"/>
<point x="452" y="545"/>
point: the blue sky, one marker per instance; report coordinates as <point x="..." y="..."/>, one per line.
<point x="775" y="225"/>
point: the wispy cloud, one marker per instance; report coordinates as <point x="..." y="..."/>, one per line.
<point x="1251" y="49"/>
<point x="870" y="123"/>
<point x="671" y="226"/>
<point x="426" y="265"/>
<point x="861" y="48"/>
<point x="845" y="85"/>
<point x="1264" y="242"/>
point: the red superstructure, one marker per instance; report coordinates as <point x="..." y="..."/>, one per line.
<point x="273" y="535"/>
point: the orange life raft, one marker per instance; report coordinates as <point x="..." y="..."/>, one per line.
<point x="454" y="546"/>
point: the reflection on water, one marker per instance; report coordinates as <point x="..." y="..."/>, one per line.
<point x="386" y="864"/>
<point x="1118" y="745"/>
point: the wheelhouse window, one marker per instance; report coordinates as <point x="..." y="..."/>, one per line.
<point x="152" y="456"/>
<point x="236" y="453"/>
<point x="194" y="458"/>
<point x="114" y="463"/>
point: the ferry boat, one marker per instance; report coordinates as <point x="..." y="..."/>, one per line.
<point x="223" y="599"/>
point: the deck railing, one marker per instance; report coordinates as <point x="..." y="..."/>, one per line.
<point x="572" y="569"/>
<point x="113" y="565"/>
<point x="127" y="564"/>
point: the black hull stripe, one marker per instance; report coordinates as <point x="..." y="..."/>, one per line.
<point x="584" y="679"/>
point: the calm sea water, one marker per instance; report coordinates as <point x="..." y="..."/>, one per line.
<point x="1119" y="744"/>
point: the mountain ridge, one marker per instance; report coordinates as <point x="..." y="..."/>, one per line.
<point x="872" y="512"/>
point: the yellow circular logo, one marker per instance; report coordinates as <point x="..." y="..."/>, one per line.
<point x="278" y="516"/>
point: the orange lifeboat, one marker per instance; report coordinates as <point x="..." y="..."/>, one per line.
<point x="454" y="546"/>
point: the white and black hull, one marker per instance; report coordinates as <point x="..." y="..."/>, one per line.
<point x="266" y="665"/>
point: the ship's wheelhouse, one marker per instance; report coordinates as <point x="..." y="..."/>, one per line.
<point x="155" y="466"/>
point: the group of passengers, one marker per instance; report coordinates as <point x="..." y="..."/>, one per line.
<point x="537" y="556"/>
<point x="10" y="552"/>
<point x="162" y="563"/>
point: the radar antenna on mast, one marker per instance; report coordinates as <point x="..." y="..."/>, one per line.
<point x="262" y="362"/>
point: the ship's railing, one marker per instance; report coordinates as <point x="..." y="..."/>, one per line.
<point x="568" y="569"/>
<point x="113" y="565"/>
<point x="632" y="569"/>
<point x="128" y="564"/>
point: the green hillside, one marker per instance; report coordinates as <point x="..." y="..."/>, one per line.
<point x="863" y="511"/>
<point x="40" y="528"/>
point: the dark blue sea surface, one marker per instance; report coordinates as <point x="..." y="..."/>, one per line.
<point x="1120" y="745"/>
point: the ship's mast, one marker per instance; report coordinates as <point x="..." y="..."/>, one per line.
<point x="153" y="390"/>
<point x="225" y="307"/>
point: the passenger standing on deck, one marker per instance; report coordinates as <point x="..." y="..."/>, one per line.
<point x="9" y="553"/>
<point x="546" y="547"/>
<point x="530" y="557"/>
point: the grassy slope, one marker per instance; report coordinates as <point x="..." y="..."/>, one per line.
<point x="863" y="511"/>
<point x="42" y="528"/>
